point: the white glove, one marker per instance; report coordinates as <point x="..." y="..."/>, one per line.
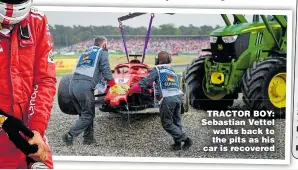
<point x="101" y="86"/>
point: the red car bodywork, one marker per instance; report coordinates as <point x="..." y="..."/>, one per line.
<point x="127" y="74"/>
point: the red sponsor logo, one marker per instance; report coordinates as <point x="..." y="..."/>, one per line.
<point x="59" y="64"/>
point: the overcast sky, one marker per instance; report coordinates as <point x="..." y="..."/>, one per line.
<point x="103" y="18"/>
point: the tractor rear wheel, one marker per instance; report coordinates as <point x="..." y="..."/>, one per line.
<point x="198" y="96"/>
<point x="264" y="86"/>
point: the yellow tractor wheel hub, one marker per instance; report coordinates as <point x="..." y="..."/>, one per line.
<point x="277" y="90"/>
<point x="217" y="78"/>
<point x="212" y="96"/>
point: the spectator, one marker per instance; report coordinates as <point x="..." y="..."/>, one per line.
<point x="174" y="45"/>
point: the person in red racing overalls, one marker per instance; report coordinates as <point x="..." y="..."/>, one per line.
<point x="27" y="79"/>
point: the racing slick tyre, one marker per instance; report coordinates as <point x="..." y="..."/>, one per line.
<point x="264" y="86"/>
<point x="198" y="96"/>
<point x="184" y="89"/>
<point x="64" y="98"/>
<point x="180" y="86"/>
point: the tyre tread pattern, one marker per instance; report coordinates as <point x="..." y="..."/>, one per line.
<point x="194" y="75"/>
<point x="64" y="99"/>
<point x="255" y="96"/>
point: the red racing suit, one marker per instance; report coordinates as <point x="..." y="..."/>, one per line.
<point x="27" y="82"/>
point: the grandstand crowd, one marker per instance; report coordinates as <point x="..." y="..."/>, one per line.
<point x="136" y="44"/>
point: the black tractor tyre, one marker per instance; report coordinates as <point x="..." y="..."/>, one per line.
<point x="64" y="98"/>
<point x="256" y="82"/>
<point x="194" y="77"/>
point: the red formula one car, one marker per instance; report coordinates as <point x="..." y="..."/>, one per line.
<point x="126" y="75"/>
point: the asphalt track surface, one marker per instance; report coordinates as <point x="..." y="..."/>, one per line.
<point x="144" y="136"/>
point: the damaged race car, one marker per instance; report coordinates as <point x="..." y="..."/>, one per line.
<point x="116" y="99"/>
<point x="126" y="75"/>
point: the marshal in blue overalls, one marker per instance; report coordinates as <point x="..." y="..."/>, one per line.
<point x="169" y="96"/>
<point x="93" y="65"/>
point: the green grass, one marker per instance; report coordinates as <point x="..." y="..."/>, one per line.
<point x="60" y="74"/>
<point x="116" y="55"/>
<point x="119" y="58"/>
<point x="115" y="59"/>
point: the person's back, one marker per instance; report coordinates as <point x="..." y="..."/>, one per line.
<point x="167" y="85"/>
<point x="87" y="67"/>
<point x="92" y="64"/>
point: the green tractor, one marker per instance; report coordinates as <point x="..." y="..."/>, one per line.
<point x="245" y="57"/>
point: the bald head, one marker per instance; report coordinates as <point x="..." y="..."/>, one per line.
<point x="101" y="41"/>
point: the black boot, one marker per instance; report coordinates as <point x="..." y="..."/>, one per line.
<point x="89" y="141"/>
<point x="68" y="139"/>
<point x="176" y="146"/>
<point x="187" y="144"/>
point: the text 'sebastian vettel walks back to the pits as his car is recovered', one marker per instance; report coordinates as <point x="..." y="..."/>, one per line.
<point x="27" y="80"/>
<point x="93" y="65"/>
<point x="166" y="85"/>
